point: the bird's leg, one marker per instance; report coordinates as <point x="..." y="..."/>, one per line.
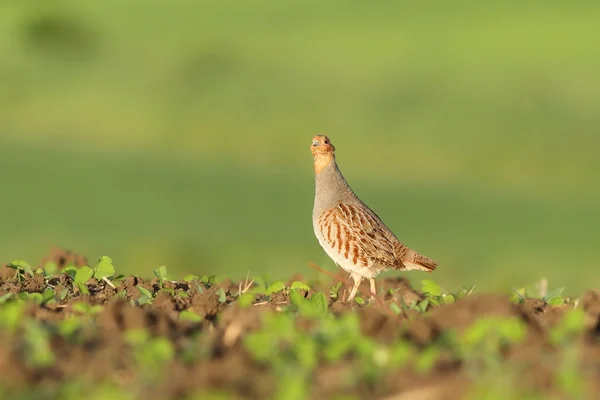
<point x="373" y="289"/>
<point x="357" y="280"/>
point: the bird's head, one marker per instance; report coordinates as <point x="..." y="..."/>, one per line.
<point x="322" y="151"/>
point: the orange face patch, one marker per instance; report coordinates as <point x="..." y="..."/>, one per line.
<point x="322" y="151"/>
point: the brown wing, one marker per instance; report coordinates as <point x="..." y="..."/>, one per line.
<point x="359" y="237"/>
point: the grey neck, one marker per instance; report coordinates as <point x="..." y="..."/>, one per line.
<point x="331" y="188"/>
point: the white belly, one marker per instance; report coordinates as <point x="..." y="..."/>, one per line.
<point x="345" y="264"/>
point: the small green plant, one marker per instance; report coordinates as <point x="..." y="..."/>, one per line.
<point x="151" y="354"/>
<point x="481" y="343"/>
<point x="161" y="273"/>
<point x="315" y="307"/>
<point x="38" y="351"/>
<point x="83" y="275"/>
<point x="334" y="291"/>
<point x="275" y="287"/>
<point x="104" y="268"/>
<point x="297" y="285"/>
<point x="21" y="267"/>
<point x="539" y="290"/>
<point x="145" y="297"/>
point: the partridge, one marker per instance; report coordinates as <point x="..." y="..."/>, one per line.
<point x="351" y="234"/>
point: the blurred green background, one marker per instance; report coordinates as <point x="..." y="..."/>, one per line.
<point x="178" y="132"/>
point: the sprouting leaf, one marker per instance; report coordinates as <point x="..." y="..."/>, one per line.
<point x="423" y="304"/>
<point x="70" y="270"/>
<point x="83" y="289"/>
<point x="5" y="297"/>
<point x="427" y="359"/>
<point x="187" y="315"/>
<point x="142" y="300"/>
<point x="572" y="323"/>
<point x="144" y="291"/>
<point x="189" y="278"/>
<point x="305" y="349"/>
<point x="86" y="308"/>
<point x="222" y="296"/>
<point x="431" y="288"/>
<point x="208" y="280"/>
<point x="359" y="300"/>
<point x="334" y="291"/>
<point x="449" y="299"/>
<point x="300" y="286"/>
<point x="21" y="265"/>
<point x="555" y="294"/>
<point x="11" y="314"/>
<point x="83" y="275"/>
<point x="105" y="268"/>
<point x="50" y="269"/>
<point x="38" y="350"/>
<point x="246" y="300"/>
<point x="69" y="326"/>
<point x="260" y="345"/>
<point x="34" y="297"/>
<point x="161" y="272"/>
<point x="63" y="294"/>
<point x="275" y="287"/>
<point x="47" y="296"/>
<point x="137" y="337"/>
<point x="395" y="308"/>
<point x="319" y="301"/>
<point x="556" y="301"/>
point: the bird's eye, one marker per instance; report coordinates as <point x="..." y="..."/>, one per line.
<point x="326" y="141"/>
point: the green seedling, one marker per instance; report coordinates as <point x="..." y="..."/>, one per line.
<point x="50" y="269"/>
<point x="21" y="268"/>
<point x="334" y="291"/>
<point x="38" y="351"/>
<point x="86" y="308"/>
<point x="539" y="290"/>
<point x="427" y="359"/>
<point x="189" y="278"/>
<point x="315" y="307"/>
<point x="222" y="296"/>
<point x="187" y="315"/>
<point x="83" y="275"/>
<point x="275" y="287"/>
<point x="161" y="273"/>
<point x="246" y="300"/>
<point x="70" y="270"/>
<point x="208" y="281"/>
<point x="105" y="268"/>
<point x="145" y="296"/>
<point x="6" y="296"/>
<point x="297" y="285"/>
<point x="482" y="342"/>
<point x="292" y="386"/>
<point x="70" y="326"/>
<point x="430" y="288"/>
<point x="11" y="315"/>
<point x="151" y="354"/>
<point x="395" y="308"/>
<point x="571" y="326"/>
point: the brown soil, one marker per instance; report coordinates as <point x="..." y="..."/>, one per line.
<point x="217" y="359"/>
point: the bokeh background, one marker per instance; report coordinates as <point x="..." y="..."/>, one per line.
<point x="177" y="133"/>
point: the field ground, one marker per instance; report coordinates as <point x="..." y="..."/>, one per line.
<point x="69" y="330"/>
<point x="176" y="133"/>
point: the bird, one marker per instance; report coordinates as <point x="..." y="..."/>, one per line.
<point x="351" y="234"/>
